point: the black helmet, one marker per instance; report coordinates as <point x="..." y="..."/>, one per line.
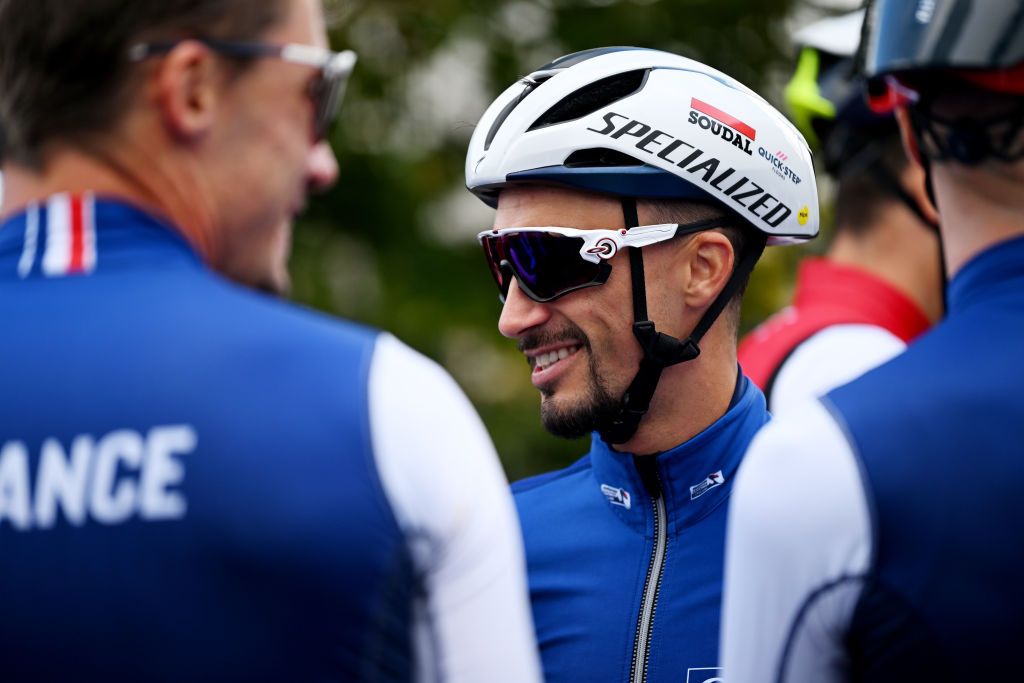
<point x="914" y="35"/>
<point x="918" y="51"/>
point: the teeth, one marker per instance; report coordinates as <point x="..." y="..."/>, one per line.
<point x="545" y="360"/>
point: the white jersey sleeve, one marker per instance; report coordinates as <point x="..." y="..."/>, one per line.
<point x="442" y="476"/>
<point x="798" y="548"/>
<point x="829" y="359"/>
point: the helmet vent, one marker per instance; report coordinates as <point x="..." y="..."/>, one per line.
<point x="592" y="97"/>
<point x="529" y="86"/>
<point x="598" y="157"/>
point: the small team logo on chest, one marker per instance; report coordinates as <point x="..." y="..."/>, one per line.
<point x="713" y="480"/>
<point x="617" y="496"/>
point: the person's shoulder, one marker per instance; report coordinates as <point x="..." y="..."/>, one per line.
<point x="795" y="436"/>
<point x="570" y="495"/>
<point x="551" y="480"/>
<point x="798" y="541"/>
<point x="907" y="384"/>
<point x="845" y="339"/>
<point x="830" y="358"/>
<point x="263" y="318"/>
<point x="785" y="481"/>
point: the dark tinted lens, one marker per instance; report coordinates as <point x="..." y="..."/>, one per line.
<point x="495" y="254"/>
<point x="326" y="92"/>
<point x="320" y="92"/>
<point x="547" y="265"/>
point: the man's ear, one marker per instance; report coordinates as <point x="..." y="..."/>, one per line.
<point x="916" y="173"/>
<point x="907" y="136"/>
<point x="711" y="263"/>
<point x="189" y="82"/>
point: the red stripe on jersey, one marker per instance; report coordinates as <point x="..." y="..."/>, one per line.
<point x="76" y="264"/>
<point x="727" y="119"/>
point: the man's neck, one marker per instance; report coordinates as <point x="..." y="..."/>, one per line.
<point x="899" y="249"/>
<point x="70" y="169"/>
<point x="978" y="209"/>
<point x="690" y="397"/>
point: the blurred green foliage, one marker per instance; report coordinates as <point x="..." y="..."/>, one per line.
<point x="392" y="245"/>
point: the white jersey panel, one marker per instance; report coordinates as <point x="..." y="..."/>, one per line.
<point x="830" y="358"/>
<point x="445" y="484"/>
<point x="798" y="545"/>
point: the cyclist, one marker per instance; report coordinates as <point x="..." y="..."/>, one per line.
<point x="635" y="189"/>
<point x="873" y="533"/>
<point x="879" y="285"/>
<point x="199" y="481"/>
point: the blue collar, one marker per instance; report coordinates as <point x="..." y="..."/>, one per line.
<point x="80" y="234"/>
<point x="695" y="476"/>
<point x="996" y="270"/>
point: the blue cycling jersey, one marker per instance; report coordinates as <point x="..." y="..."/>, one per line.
<point x="152" y="500"/>
<point x="624" y="554"/>
<point x="939" y="433"/>
<point x="874" y="535"/>
<point x="199" y="482"/>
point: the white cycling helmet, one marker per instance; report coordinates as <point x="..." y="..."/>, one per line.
<point x="638" y="123"/>
<point x="643" y="123"/>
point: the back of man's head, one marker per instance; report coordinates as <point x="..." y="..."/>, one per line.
<point x="954" y="74"/>
<point x="65" y="71"/>
<point x="868" y="186"/>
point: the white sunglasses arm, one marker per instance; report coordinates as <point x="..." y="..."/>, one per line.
<point x="311" y="55"/>
<point x="649" y="234"/>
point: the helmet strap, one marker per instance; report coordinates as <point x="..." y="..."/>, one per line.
<point x="929" y="186"/>
<point x="969" y="141"/>
<point x="887" y="181"/>
<point x="662" y="350"/>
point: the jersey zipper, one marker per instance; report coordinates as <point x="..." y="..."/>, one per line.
<point x="648" y="467"/>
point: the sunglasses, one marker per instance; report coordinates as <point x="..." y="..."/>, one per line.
<point x="551" y="262"/>
<point x="325" y="90"/>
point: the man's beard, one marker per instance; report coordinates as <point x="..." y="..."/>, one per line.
<point x="595" y="409"/>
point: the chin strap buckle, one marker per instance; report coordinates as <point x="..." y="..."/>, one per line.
<point x="623" y="426"/>
<point x="661" y="349"/>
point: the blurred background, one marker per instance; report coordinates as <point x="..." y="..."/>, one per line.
<point x="393" y="244"/>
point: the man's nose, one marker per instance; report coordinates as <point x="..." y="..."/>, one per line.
<point x="321" y="167"/>
<point x="520" y="313"/>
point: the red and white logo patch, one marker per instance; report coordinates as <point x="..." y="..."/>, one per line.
<point x="723" y="117"/>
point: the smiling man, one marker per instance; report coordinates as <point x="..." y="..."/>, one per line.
<point x="635" y="190"/>
<point x="198" y="481"/>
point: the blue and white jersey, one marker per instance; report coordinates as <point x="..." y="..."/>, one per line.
<point x="199" y="482"/>
<point x="877" y="534"/>
<point x="625" y="555"/>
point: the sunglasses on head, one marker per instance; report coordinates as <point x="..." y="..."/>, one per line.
<point x="325" y="90"/>
<point x="550" y="262"/>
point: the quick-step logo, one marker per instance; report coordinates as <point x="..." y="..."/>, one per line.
<point x="616" y="496"/>
<point x="713" y="480"/>
<point x="722" y="124"/>
<point x="778" y="166"/>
